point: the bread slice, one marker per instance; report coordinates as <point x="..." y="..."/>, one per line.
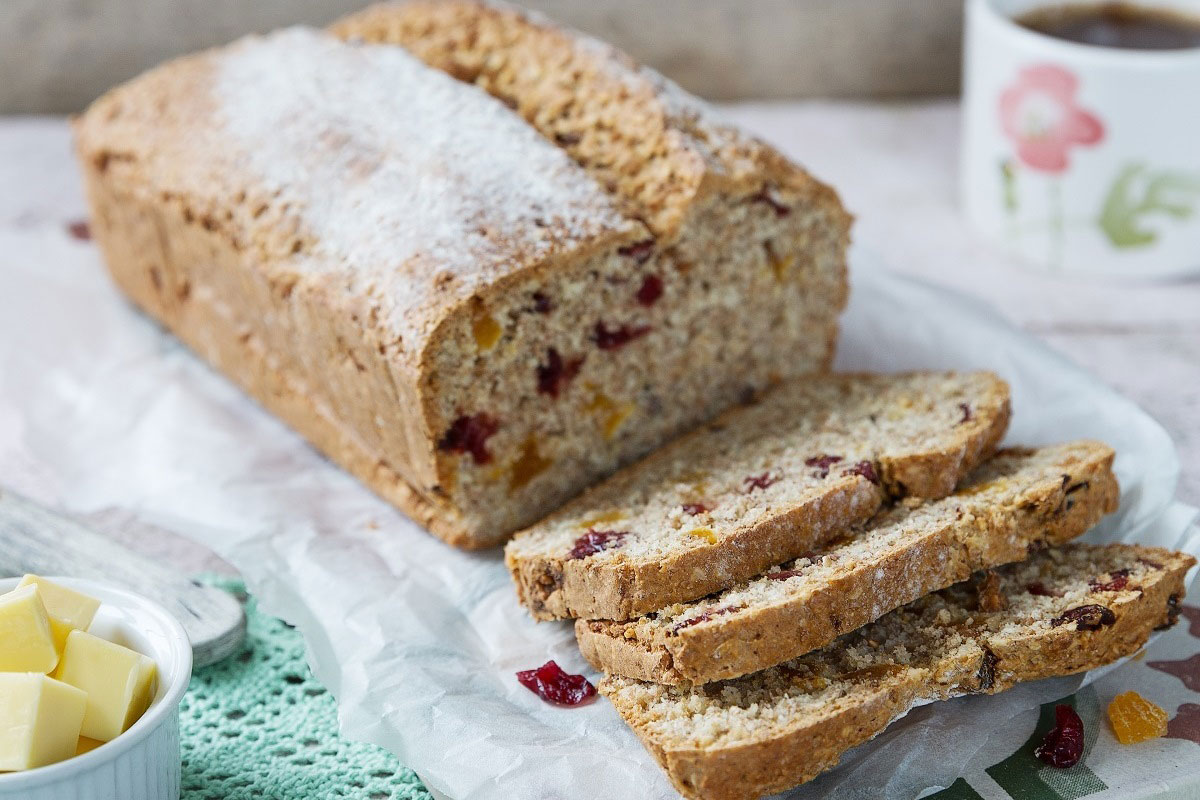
<point x="476" y="315"/>
<point x="762" y="484"/>
<point x="1068" y="609"/>
<point x="1019" y="501"/>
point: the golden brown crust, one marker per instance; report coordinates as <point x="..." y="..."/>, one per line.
<point x="1069" y="497"/>
<point x="757" y="765"/>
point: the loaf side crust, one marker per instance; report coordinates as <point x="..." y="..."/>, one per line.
<point x="1042" y="510"/>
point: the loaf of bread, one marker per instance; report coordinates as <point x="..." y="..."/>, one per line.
<point x="479" y="285"/>
<point x="1063" y="611"/>
<point x="763" y="483"/>
<point x="1020" y="500"/>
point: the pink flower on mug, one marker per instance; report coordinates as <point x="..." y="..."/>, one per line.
<point x="1038" y="112"/>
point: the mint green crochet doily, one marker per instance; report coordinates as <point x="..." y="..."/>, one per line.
<point x="258" y="726"/>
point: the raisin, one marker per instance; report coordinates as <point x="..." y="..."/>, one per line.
<point x="759" y="481"/>
<point x="1135" y="719"/>
<point x="822" y="463"/>
<point x="553" y="685"/>
<point x="541" y="303"/>
<point x="1172" y="615"/>
<point x="764" y="196"/>
<point x="703" y="617"/>
<point x="80" y="230"/>
<point x="1063" y="745"/>
<point x="555" y="374"/>
<point x="638" y="251"/>
<point x="865" y="469"/>
<point x="470" y="435"/>
<point x="567" y="138"/>
<point x="987" y="670"/>
<point x="692" y="509"/>
<point x="651" y="290"/>
<point x="1086" y="618"/>
<point x="594" y="542"/>
<point x="607" y="339"/>
<point x="1039" y="589"/>
<point x="1118" y="580"/>
<point x="967" y="416"/>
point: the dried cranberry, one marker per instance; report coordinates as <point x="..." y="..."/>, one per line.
<point x="1039" y="589"/>
<point x="652" y="289"/>
<point x="638" y="251"/>
<point x="764" y="196"/>
<point x="1086" y="618"/>
<point x="759" y="481"/>
<point x="1118" y="580"/>
<point x="568" y="138"/>
<point x="607" y="339"/>
<point x="595" y="541"/>
<point x="555" y="374"/>
<point x="553" y="685"/>
<point x="822" y="463"/>
<point x="79" y="229"/>
<point x="470" y="435"/>
<point x="1063" y="745"/>
<point x="967" y="416"/>
<point x="865" y="469"/>
<point x="784" y="574"/>
<point x="541" y="303"/>
<point x="692" y="509"/>
<point x="703" y="617"/>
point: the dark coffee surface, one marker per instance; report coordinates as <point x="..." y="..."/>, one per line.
<point x="1124" y="25"/>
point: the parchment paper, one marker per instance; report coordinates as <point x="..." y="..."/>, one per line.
<point x="100" y="410"/>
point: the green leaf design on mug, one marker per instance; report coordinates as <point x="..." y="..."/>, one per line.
<point x="1138" y="192"/>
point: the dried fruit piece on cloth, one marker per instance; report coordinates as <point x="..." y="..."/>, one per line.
<point x="1135" y="719"/>
<point x="1063" y="745"/>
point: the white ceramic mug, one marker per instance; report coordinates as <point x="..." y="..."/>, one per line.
<point x="1080" y="158"/>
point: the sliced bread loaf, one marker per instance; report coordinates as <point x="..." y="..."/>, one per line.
<point x="763" y="483"/>
<point x="1021" y="500"/>
<point x="1066" y="610"/>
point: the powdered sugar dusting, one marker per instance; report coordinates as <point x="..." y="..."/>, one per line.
<point x="417" y="188"/>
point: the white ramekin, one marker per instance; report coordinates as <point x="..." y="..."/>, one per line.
<point x="142" y="763"/>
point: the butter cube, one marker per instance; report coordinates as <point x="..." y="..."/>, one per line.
<point x="86" y="745"/>
<point x="26" y="640"/>
<point x="40" y="719"/>
<point x="119" y="683"/>
<point x="69" y="610"/>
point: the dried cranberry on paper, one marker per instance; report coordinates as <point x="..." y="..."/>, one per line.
<point x="553" y="685"/>
<point x="1063" y="745"/>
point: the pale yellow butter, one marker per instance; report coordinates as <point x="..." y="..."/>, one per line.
<point x="26" y="638"/>
<point x="86" y="745"/>
<point x="119" y="682"/>
<point x="40" y="720"/>
<point x="69" y="610"/>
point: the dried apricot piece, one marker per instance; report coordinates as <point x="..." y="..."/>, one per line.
<point x="1135" y="719"/>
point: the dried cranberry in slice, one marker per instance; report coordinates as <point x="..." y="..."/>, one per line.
<point x="470" y="435"/>
<point x="967" y="416"/>
<point x="822" y="463"/>
<point x="555" y="374"/>
<point x="607" y="339"/>
<point x="553" y="685"/>
<point x="783" y="575"/>
<point x="1086" y="618"/>
<point x="1063" y="745"/>
<point x="759" y="481"/>
<point x="652" y="289"/>
<point x="865" y="469"/>
<point x="1039" y="589"/>
<point x="703" y="617"/>
<point x="1118" y="580"/>
<point x="541" y="303"/>
<point x="692" y="509"/>
<point x="594" y="542"/>
<point x="638" y="251"/>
